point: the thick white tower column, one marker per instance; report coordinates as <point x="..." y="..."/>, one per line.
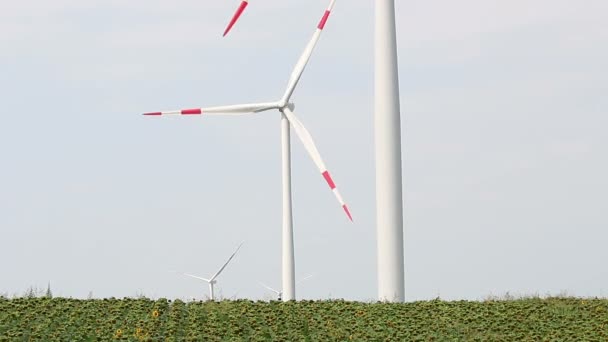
<point x="288" y="260"/>
<point x="389" y="201"/>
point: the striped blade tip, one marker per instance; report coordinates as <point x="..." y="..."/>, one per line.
<point x="236" y="16"/>
<point x="329" y="180"/>
<point x="350" y="217"/>
<point x="192" y="112"/>
<point x="153" y="114"/>
<point x="323" y="21"/>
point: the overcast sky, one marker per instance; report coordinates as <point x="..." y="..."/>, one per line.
<point x="505" y="148"/>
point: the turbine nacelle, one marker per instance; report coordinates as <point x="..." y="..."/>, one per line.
<point x="282" y="106"/>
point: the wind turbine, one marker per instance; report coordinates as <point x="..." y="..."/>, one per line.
<point x="387" y="124"/>
<point x="212" y="281"/>
<point x="285" y="107"/>
<point x="280" y="293"/>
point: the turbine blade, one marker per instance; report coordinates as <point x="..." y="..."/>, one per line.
<point x="236" y="16"/>
<point x="305" y="57"/>
<point x="304" y="279"/>
<point x="197" y="277"/>
<point x="222" y="110"/>
<point x="226" y="264"/>
<point x="312" y="150"/>
<point x="270" y="288"/>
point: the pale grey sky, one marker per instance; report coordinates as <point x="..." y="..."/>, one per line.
<point x="505" y="151"/>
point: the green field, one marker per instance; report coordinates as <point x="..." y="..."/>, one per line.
<point x="59" y="319"/>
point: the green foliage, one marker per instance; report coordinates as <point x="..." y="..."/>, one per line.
<point x="142" y="319"/>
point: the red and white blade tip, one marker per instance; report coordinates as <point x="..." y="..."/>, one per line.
<point x="333" y="188"/>
<point x="323" y="21"/>
<point x="350" y="217"/>
<point x="196" y="111"/>
<point x="236" y="16"/>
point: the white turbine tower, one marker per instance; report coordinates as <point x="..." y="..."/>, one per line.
<point x="287" y="118"/>
<point x="212" y="281"/>
<point x="389" y="198"/>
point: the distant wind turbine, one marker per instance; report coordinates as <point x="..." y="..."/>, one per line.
<point x="212" y="281"/>
<point x="280" y="293"/>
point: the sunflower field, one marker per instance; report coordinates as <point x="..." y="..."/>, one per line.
<point x="61" y="319"/>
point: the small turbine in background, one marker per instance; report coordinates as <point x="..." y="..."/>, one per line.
<point x="280" y="293"/>
<point x="212" y="281"/>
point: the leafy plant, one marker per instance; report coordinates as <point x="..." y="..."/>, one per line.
<point x="143" y="319"/>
